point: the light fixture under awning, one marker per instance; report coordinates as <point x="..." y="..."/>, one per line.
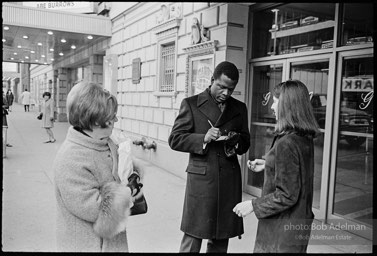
<point x="35" y="23"/>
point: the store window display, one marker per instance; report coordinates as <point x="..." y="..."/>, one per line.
<point x="293" y="28"/>
<point x="357" y="24"/>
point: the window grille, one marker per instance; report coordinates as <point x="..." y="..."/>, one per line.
<point x="167" y="68"/>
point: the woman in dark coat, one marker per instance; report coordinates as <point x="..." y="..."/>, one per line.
<point x="10" y="98"/>
<point x="48" y="116"/>
<point x="284" y="210"/>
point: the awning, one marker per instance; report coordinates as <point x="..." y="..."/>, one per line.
<point x="7" y="76"/>
<point x="40" y="36"/>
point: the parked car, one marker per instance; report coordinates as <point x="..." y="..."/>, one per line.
<point x="351" y="120"/>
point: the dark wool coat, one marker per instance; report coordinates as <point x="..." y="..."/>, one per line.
<point x="213" y="184"/>
<point x="10" y="98"/>
<point x="285" y="208"/>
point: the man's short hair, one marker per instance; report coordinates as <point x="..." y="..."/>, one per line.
<point x="89" y="105"/>
<point x="227" y="68"/>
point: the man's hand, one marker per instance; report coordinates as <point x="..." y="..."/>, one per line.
<point x="233" y="138"/>
<point x="212" y="134"/>
<point x="244" y="208"/>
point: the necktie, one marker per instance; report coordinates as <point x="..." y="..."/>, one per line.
<point x="221" y="106"/>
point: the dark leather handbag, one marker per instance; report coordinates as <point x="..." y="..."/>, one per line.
<point x="140" y="205"/>
<point x="39" y="117"/>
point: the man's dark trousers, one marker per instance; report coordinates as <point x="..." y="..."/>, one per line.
<point x="193" y="244"/>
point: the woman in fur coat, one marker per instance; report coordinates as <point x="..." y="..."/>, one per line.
<point x="92" y="204"/>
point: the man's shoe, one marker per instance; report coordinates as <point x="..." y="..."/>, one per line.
<point x="49" y="141"/>
<point x="9" y="145"/>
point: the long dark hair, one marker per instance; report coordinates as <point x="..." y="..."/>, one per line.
<point x="295" y="112"/>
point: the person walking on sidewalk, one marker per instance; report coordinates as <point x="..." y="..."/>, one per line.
<point x="10" y="98"/>
<point x="84" y="169"/>
<point x="287" y="193"/>
<point x="5" y="120"/>
<point x="214" y="182"/>
<point x="48" y="116"/>
<point x="26" y="97"/>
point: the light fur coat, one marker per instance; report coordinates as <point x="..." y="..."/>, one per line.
<point x="83" y="169"/>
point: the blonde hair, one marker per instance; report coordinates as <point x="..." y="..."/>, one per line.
<point x="89" y="105"/>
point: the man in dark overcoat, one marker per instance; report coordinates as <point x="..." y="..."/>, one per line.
<point x="213" y="127"/>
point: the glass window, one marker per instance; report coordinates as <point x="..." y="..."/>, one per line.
<point x="167" y="67"/>
<point x="262" y="119"/>
<point x="291" y="28"/>
<point x="315" y="75"/>
<point x="357" y="23"/>
<point x="201" y="74"/>
<point x="353" y="197"/>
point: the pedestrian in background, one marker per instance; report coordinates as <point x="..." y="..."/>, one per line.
<point x="10" y="98"/>
<point x="25" y="97"/>
<point x="287" y="193"/>
<point x="214" y="182"/>
<point x="48" y="116"/>
<point x="84" y="168"/>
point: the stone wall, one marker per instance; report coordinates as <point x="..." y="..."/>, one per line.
<point x="143" y="111"/>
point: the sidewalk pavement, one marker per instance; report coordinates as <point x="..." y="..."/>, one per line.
<point x="28" y="217"/>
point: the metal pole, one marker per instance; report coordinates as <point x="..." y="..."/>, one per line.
<point x="276" y="27"/>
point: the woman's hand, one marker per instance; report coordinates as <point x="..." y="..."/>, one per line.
<point x="244" y="208"/>
<point x="257" y="165"/>
<point x="138" y="195"/>
<point x="139" y="167"/>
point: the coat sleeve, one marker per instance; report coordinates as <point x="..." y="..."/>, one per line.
<point x="78" y="189"/>
<point x="287" y="183"/>
<point x="183" y="137"/>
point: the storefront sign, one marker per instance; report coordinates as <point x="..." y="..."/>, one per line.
<point x="266" y="98"/>
<point x="76" y="7"/>
<point x="357" y="84"/>
<point x="202" y="70"/>
<point x="367" y="99"/>
<point x="136" y="70"/>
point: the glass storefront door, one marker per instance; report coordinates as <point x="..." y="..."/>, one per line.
<point x="329" y="47"/>
<point x="314" y="73"/>
<point x="265" y="77"/>
<point x="352" y="194"/>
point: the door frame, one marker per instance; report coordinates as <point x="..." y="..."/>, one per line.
<point x="250" y="189"/>
<point x="330" y="217"/>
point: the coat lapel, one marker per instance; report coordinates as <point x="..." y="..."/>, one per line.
<point x="208" y="107"/>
